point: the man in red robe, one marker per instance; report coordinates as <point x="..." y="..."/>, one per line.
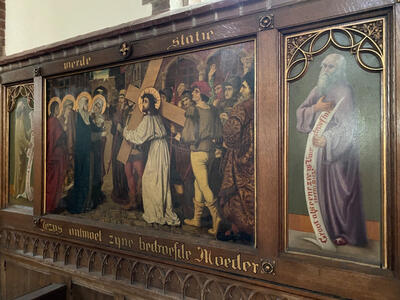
<point x="237" y="189"/>
<point x="56" y="159"/>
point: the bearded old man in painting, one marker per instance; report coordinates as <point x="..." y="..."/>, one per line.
<point x="337" y="157"/>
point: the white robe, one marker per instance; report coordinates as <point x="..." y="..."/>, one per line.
<point x="156" y="192"/>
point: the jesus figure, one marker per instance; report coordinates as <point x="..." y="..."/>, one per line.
<point x="156" y="193"/>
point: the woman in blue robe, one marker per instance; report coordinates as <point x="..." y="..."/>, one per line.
<point x="79" y="198"/>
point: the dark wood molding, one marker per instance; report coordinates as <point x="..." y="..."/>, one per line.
<point x="333" y="277"/>
<point x="310" y="12"/>
<point x="39" y="135"/>
<point x="126" y="272"/>
<point x="4" y="147"/>
<point x="155" y="25"/>
<point x="267" y="117"/>
<point x="395" y="99"/>
<point x="145" y="47"/>
<point x="52" y="291"/>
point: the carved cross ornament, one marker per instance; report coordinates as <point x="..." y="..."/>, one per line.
<point x="125" y="49"/>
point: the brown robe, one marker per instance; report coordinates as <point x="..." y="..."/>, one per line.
<point x="237" y="189"/>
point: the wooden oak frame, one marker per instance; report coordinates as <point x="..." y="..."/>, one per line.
<point x="344" y="279"/>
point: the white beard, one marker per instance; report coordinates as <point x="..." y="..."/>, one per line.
<point x="324" y="83"/>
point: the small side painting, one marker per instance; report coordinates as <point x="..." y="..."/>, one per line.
<point x="20" y="107"/>
<point x="336" y="121"/>
<point x="165" y="143"/>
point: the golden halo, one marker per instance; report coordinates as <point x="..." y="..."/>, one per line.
<point x="66" y="98"/>
<point x="83" y="94"/>
<point x="152" y="91"/>
<point x="54" y="99"/>
<point x="97" y="98"/>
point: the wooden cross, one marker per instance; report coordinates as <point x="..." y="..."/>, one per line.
<point x="167" y="110"/>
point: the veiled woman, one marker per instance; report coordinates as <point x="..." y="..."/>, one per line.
<point x="79" y="198"/>
<point x="68" y="120"/>
<point x="22" y="137"/>
<point x="98" y="137"/>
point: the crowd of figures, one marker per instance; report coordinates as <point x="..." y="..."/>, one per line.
<point x="75" y="153"/>
<point x="176" y="174"/>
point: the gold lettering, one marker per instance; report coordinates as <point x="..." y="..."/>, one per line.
<point x="120" y="242"/>
<point x="227" y="261"/>
<point x="141" y="244"/>
<point x="189" y="39"/>
<point x="175" y="43"/>
<point x="117" y="241"/>
<point x="219" y="261"/>
<point x="85" y="234"/>
<point x="53" y="228"/>
<point x="209" y="33"/>
<point x="236" y="263"/>
<point x="255" y="268"/>
<point x="111" y="241"/>
<point x="245" y="265"/>
<point x="208" y="256"/>
<point x="80" y="62"/>
<point x="188" y="253"/>
<point x="201" y="255"/>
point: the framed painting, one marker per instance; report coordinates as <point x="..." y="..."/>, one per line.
<point x="336" y="142"/>
<point x="165" y="143"/>
<point x="21" y="145"/>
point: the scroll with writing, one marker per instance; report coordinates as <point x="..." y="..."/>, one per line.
<point x="311" y="183"/>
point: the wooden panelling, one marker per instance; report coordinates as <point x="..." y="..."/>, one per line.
<point x="20" y="280"/>
<point x="33" y="256"/>
<point x="267" y="117"/>
<point x="112" y="273"/>
<point x="79" y="292"/>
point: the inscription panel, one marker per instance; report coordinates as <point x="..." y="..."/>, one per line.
<point x="173" y="250"/>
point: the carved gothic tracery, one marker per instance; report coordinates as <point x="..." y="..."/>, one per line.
<point x="15" y="92"/>
<point x="175" y="282"/>
<point x="360" y="39"/>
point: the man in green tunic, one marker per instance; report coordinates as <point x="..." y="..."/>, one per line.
<point x="201" y="130"/>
